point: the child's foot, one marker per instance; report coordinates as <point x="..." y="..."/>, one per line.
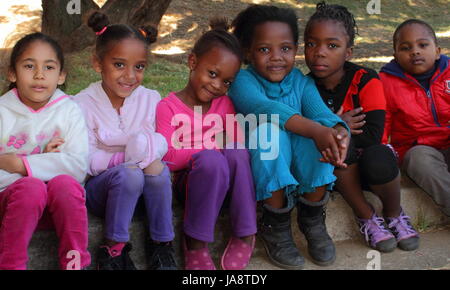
<point x="406" y="235"/>
<point x="115" y="257"/>
<point x="376" y="234"/>
<point x="162" y="256"/>
<point x="238" y="252"/>
<point x="197" y="258"/>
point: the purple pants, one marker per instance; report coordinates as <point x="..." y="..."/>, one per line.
<point x="114" y="194"/>
<point x="210" y="177"/>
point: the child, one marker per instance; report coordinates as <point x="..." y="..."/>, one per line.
<point x="125" y="151"/>
<point x="43" y="157"/>
<point x="356" y="94"/>
<point x="308" y="133"/>
<point x="210" y="173"/>
<point x="417" y="88"/>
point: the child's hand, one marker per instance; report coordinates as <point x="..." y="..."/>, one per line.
<point x="12" y="163"/>
<point x="326" y="141"/>
<point x="343" y="138"/>
<point x="53" y="145"/>
<point x="332" y="144"/>
<point x="354" y="122"/>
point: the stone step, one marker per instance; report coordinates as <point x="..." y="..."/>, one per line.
<point x="340" y="222"/>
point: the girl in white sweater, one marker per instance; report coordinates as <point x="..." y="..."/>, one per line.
<point x="43" y="157"/>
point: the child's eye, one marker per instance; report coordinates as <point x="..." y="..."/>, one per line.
<point x="119" y="65"/>
<point x="212" y="74"/>
<point x="227" y="83"/>
<point x="404" y="48"/>
<point x="140" y="66"/>
<point x="309" y="44"/>
<point x="423" y="45"/>
<point x="332" y="45"/>
<point x="285" y="49"/>
<point x="28" y="66"/>
<point x="264" y="49"/>
<point x="49" y="67"/>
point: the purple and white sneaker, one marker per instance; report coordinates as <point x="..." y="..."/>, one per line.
<point x="376" y="234"/>
<point x="407" y="237"/>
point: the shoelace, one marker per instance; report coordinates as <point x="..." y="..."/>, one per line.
<point x="373" y="228"/>
<point x="401" y="225"/>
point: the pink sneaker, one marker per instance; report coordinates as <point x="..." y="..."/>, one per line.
<point x="197" y="259"/>
<point x="237" y="254"/>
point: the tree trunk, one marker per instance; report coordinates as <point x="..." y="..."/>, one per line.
<point x="71" y="30"/>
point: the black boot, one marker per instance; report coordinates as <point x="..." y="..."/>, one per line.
<point x="105" y="261"/>
<point x="275" y="232"/>
<point x="311" y="221"/>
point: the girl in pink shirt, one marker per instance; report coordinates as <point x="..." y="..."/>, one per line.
<point x="198" y="124"/>
<point x="124" y="150"/>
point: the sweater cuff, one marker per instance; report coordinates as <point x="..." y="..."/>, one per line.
<point x="27" y="166"/>
<point x="116" y="159"/>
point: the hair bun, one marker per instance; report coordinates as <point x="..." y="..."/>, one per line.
<point x="149" y="32"/>
<point x="219" y="23"/>
<point x="97" y="21"/>
<point x="321" y="5"/>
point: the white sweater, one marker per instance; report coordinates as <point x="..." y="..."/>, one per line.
<point x="26" y="132"/>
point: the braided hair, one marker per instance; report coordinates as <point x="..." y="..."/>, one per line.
<point x="336" y="13"/>
<point x="111" y="34"/>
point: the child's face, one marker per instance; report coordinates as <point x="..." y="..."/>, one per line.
<point x="122" y="68"/>
<point x="415" y="49"/>
<point x="326" y="51"/>
<point x="212" y="73"/>
<point x="37" y="74"/>
<point x="272" y="51"/>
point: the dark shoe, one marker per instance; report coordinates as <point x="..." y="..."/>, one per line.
<point x="407" y="237"/>
<point x="311" y="221"/>
<point x="275" y="233"/>
<point x="162" y="256"/>
<point x="108" y="261"/>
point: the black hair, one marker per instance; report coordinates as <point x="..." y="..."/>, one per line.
<point x="218" y="35"/>
<point x="414" y="21"/>
<point x="337" y="13"/>
<point x="111" y="34"/>
<point x="25" y="42"/>
<point x="245" y="22"/>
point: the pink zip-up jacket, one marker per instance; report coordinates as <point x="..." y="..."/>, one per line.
<point x="112" y="134"/>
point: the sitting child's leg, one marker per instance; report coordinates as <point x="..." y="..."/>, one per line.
<point x="22" y="203"/>
<point x="429" y="168"/>
<point x="242" y="211"/>
<point x="158" y="204"/>
<point x="66" y="205"/>
<point x="113" y="195"/>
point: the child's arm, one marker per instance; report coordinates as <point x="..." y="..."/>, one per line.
<point x="12" y="163"/>
<point x="177" y="158"/>
<point x="72" y="160"/>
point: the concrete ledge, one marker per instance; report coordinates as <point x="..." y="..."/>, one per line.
<point x="340" y="222"/>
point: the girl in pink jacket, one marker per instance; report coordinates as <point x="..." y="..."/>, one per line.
<point x="124" y="150"/>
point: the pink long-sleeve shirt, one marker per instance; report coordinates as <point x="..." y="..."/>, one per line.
<point x="188" y="131"/>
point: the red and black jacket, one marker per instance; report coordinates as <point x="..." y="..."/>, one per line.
<point x="415" y="115"/>
<point x="360" y="87"/>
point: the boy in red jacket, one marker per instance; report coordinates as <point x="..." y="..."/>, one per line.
<point x="417" y="89"/>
